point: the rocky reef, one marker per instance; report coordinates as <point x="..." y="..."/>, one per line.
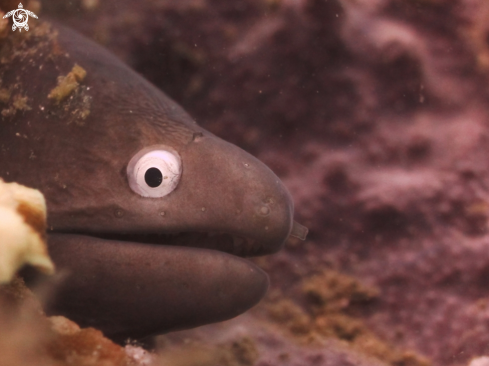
<point x="375" y="115"/>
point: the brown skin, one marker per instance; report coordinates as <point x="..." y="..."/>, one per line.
<point x="147" y="290"/>
<point x="76" y="152"/>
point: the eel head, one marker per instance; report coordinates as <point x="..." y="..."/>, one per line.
<point x="148" y="213"/>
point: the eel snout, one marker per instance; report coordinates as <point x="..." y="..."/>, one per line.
<point x="225" y="190"/>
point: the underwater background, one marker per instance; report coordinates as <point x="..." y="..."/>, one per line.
<point x="375" y="115"/>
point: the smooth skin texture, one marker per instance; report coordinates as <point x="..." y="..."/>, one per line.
<point x="133" y="266"/>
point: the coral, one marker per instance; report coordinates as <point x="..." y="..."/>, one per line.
<point x="252" y="340"/>
<point x="22" y="230"/>
<point x="28" y="337"/>
<point x="88" y="346"/>
<point x="329" y="300"/>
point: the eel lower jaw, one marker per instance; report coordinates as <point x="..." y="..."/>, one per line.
<point x="131" y="289"/>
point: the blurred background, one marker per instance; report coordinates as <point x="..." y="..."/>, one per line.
<point x="374" y="113"/>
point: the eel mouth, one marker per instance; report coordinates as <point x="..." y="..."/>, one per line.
<point x="224" y="242"/>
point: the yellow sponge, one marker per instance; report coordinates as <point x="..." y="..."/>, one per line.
<point x="22" y="230"/>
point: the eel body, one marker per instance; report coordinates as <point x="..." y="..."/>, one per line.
<point x="134" y="260"/>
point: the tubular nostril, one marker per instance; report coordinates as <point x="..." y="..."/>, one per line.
<point x="299" y="231"/>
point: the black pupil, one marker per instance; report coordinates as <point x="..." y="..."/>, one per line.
<point x="153" y="177"/>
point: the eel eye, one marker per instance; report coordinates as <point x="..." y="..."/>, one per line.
<point x="154" y="171"/>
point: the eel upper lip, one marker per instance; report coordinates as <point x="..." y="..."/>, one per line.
<point x="224" y="242"/>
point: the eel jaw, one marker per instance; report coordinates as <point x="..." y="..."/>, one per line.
<point x="128" y="289"/>
<point x="224" y="242"/>
<point x="138" y="284"/>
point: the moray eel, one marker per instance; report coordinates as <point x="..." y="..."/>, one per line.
<point x="148" y="213"/>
